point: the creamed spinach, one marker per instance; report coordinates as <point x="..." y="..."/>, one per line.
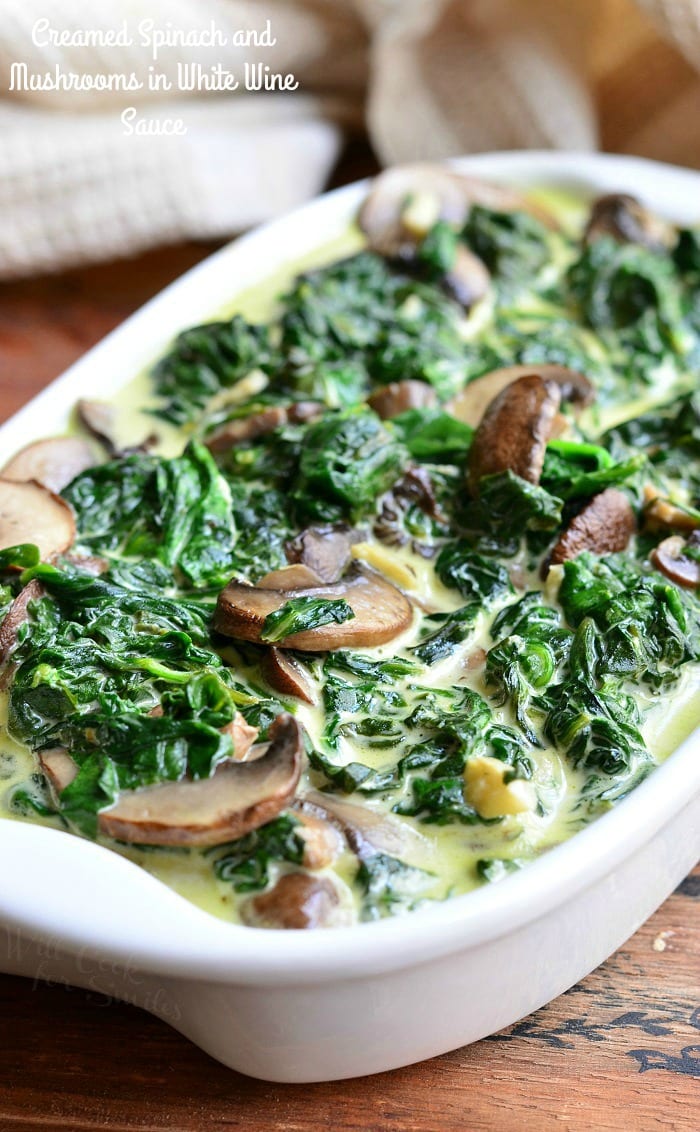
<point x="483" y="641"/>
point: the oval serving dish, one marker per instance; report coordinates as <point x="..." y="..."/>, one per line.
<point x="310" y="1006"/>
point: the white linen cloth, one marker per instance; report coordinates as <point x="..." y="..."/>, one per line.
<point x="428" y="78"/>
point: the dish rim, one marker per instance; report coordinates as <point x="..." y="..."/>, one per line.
<point x="208" y="947"/>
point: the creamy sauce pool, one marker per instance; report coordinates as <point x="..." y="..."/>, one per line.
<point x="451" y="851"/>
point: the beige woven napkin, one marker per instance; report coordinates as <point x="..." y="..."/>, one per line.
<point x="430" y="78"/>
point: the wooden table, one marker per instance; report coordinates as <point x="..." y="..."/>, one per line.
<point x="619" y="1051"/>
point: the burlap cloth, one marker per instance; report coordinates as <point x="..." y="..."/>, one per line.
<point x="425" y="78"/>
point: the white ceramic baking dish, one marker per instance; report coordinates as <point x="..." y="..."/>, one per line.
<point x="295" y="1006"/>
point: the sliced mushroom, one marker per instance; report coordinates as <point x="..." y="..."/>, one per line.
<point x="286" y="675"/>
<point x="260" y="423"/>
<point x="399" y="396"/>
<point x="416" y="486"/>
<point x="31" y="513"/>
<point x="407" y="200"/>
<point x="325" y="550"/>
<point x="295" y="902"/>
<point x="323" y="843"/>
<point x="514" y="431"/>
<point x="53" y="463"/>
<point x="662" y="515"/>
<point x="102" y="420"/>
<point x="627" y="220"/>
<point x="243" y="737"/>
<point x="16" y="615"/>
<point x="604" y="525"/>
<point x="669" y="557"/>
<point x="470" y="405"/>
<point x="60" y="769"/>
<point x="381" y="612"/>
<point x="89" y="563"/>
<point x="366" y="831"/>
<point x="238" y="798"/>
<point x="468" y="280"/>
<point x="294" y="577"/>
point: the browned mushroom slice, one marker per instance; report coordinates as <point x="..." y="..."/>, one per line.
<point x="400" y="396"/>
<point x="32" y="513"/>
<point x="102" y="420"/>
<point x="381" y="612"/>
<point x="98" y="418"/>
<point x="661" y="514"/>
<point x="470" y="405"/>
<point x="669" y="557"/>
<point x="323" y="843"/>
<point x="297" y="576"/>
<point x="295" y="902"/>
<point x="627" y="220"/>
<point x="325" y="550"/>
<point x="285" y="675"/>
<point x="405" y="202"/>
<point x="59" y="768"/>
<point x="16" y="615"/>
<point x="604" y="525"/>
<point x="468" y="280"/>
<point x="260" y="423"/>
<point x="237" y="798"/>
<point x="366" y="831"/>
<point x="514" y="431"/>
<point x="89" y="563"/>
<point x="53" y="462"/>
<point x="242" y="736"/>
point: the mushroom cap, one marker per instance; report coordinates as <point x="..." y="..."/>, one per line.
<point x="243" y="737"/>
<point x="604" y="525"/>
<point x="514" y="431"/>
<point x="103" y="420"/>
<point x="626" y="219"/>
<point x="53" y="462"/>
<point x="470" y="405"/>
<point x="323" y="842"/>
<point x="469" y="279"/>
<point x="296" y="576"/>
<point x="669" y="558"/>
<point x="58" y="766"/>
<point x="399" y="396"/>
<point x="98" y="417"/>
<point x="295" y="902"/>
<point x="238" y="798"/>
<point x="439" y="194"/>
<point x="325" y="550"/>
<point x="259" y="424"/>
<point x="366" y="830"/>
<point x="285" y="675"/>
<point x="16" y="615"/>
<point x="381" y="612"/>
<point x="246" y="428"/>
<point x="661" y="514"/>
<point x="32" y="513"/>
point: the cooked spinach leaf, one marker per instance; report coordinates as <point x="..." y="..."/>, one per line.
<point x="303" y="613"/>
<point x="177" y="510"/>
<point x="347" y="461"/>
<point x="245" y="863"/>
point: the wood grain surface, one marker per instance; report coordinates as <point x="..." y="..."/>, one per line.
<point x="620" y="1051"/>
